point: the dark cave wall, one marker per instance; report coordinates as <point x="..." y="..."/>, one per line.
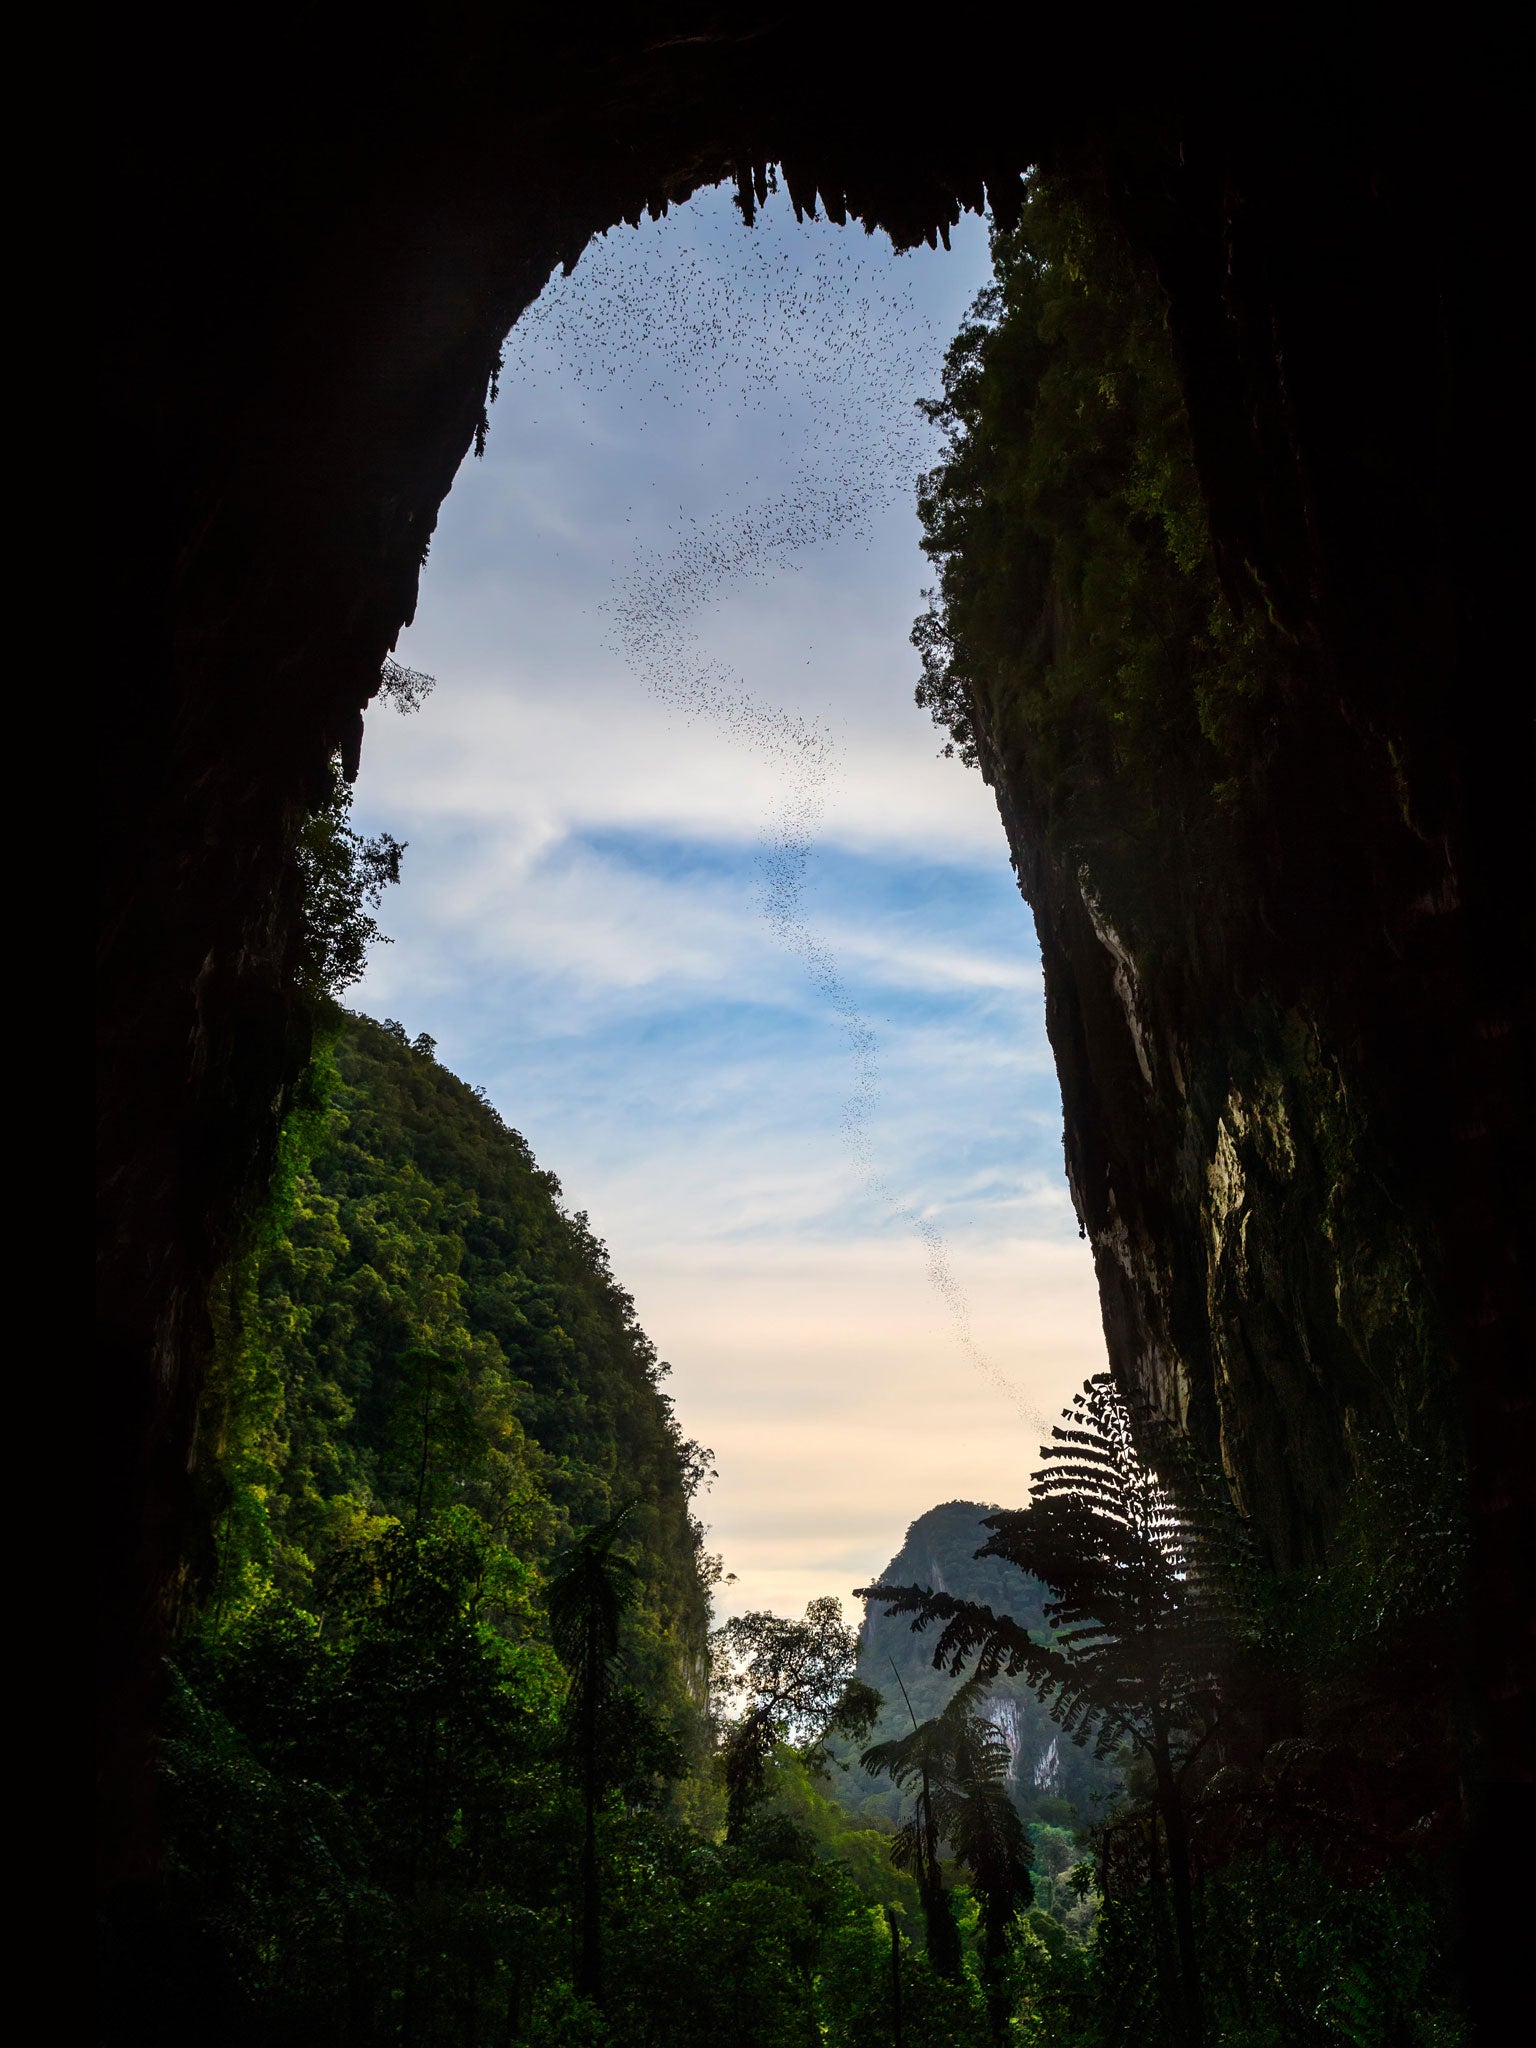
<point x="1268" y="1282"/>
<point x="315" y="251"/>
<point x="1296" y="1078"/>
<point x="1288" y="1047"/>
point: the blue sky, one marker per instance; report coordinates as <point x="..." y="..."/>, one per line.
<point x="691" y="893"/>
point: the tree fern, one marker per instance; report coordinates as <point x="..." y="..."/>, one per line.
<point x="1145" y="1611"/>
<point x="955" y="1767"/>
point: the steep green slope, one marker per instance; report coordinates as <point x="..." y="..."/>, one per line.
<point x="388" y="1815"/>
<point x="427" y="1327"/>
<point x="1053" y="1781"/>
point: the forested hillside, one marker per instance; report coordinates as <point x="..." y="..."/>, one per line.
<point x="430" y="1385"/>
<point x="426" y="1327"/>
<point x="451" y="1755"/>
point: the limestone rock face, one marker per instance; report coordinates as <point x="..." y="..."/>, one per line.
<point x="1291" y="1083"/>
<point x="1263" y="1269"/>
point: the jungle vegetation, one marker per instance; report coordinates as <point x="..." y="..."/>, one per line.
<point x="456" y="1756"/>
<point x="1247" y="1888"/>
<point x="453" y="1752"/>
<point x="1078" y="638"/>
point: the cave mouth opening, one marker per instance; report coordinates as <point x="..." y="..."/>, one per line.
<point x="306" y="345"/>
<point x="306" y="339"/>
<point x="681" y="841"/>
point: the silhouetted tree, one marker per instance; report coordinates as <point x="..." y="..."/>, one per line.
<point x="343" y="877"/>
<point x="407" y="689"/>
<point x="791" y="1681"/>
<point x="918" y="1763"/>
<point x="435" y="1432"/>
<point x="956" y="1767"/>
<point x="588" y="1597"/>
<point x="988" y="1840"/>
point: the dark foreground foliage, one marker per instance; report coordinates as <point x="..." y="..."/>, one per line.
<point x="451" y="1758"/>
<point x="1252" y="1886"/>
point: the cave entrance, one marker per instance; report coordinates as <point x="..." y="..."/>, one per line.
<point x="315" y="253"/>
<point x="692" y="891"/>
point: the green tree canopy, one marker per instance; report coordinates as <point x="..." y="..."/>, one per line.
<point x="777" y="1680"/>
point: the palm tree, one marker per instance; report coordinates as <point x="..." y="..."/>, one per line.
<point x="916" y="1763"/>
<point x="956" y="1768"/>
<point x="587" y="1599"/>
<point x="989" y="1841"/>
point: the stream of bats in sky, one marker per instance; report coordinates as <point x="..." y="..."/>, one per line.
<point x="821" y="334"/>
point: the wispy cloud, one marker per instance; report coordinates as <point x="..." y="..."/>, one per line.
<point x="822" y="1377"/>
<point x="778" y="1027"/>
